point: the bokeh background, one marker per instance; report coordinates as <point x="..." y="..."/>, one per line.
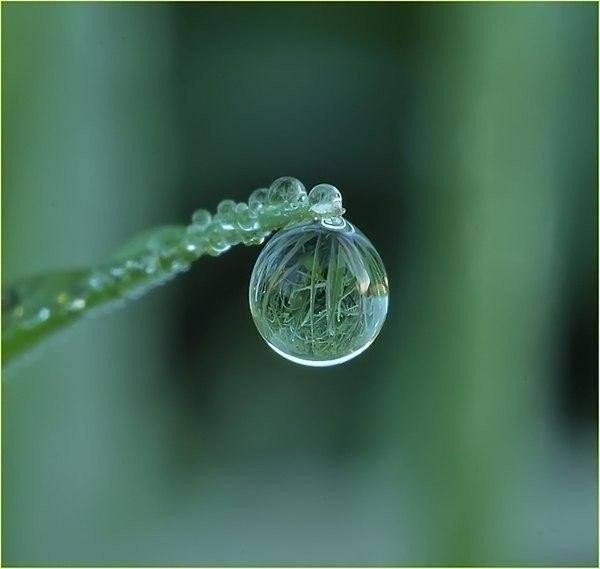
<point x="464" y="140"/>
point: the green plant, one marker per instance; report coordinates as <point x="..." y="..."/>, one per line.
<point x="322" y="306"/>
<point x="36" y="307"/>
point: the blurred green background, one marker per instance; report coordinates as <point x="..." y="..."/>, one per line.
<point x="464" y="140"/>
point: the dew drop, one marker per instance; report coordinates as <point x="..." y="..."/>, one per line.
<point x="133" y="265"/>
<point x="254" y="238"/>
<point x="97" y="281"/>
<point x="216" y="243"/>
<point x="150" y="264"/>
<point x="326" y="201"/>
<point x="215" y="249"/>
<point x="179" y="266"/>
<point x="226" y="214"/>
<point x="258" y="199"/>
<point x="246" y="218"/>
<point x="287" y="191"/>
<point x="118" y="272"/>
<point x="337" y="223"/>
<point x="76" y="304"/>
<point x="43" y="314"/>
<point x="319" y="294"/>
<point x="190" y="246"/>
<point x="201" y="219"/>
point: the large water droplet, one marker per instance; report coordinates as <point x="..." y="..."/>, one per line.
<point x="319" y="294"/>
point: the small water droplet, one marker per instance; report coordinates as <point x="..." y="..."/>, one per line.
<point x="76" y="304"/>
<point x="150" y="263"/>
<point x="117" y="271"/>
<point x="62" y="298"/>
<point x="326" y="201"/>
<point x="226" y="214"/>
<point x="201" y="219"/>
<point x="334" y="223"/>
<point x="287" y="191"/>
<point x="216" y="247"/>
<point x="258" y="199"/>
<point x="97" y="281"/>
<point x="179" y="266"/>
<point x="190" y="247"/>
<point x="132" y="264"/>
<point x="43" y="314"/>
<point x="254" y="238"/>
<point x="246" y="218"/>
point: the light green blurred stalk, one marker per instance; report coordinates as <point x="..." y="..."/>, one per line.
<point x="478" y="333"/>
<point x="79" y="179"/>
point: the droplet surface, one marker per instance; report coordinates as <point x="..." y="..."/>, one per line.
<point x="287" y="191"/>
<point x="319" y="293"/>
<point x="226" y="214"/>
<point x="325" y="201"/>
<point x="258" y="199"/>
<point x="246" y="218"/>
<point x="201" y="219"/>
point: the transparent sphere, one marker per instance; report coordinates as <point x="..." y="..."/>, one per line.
<point x="319" y="293"/>
<point x="325" y="201"/>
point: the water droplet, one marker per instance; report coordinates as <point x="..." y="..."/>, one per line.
<point x="201" y="219"/>
<point x="334" y="223"/>
<point x="215" y="249"/>
<point x="66" y="300"/>
<point x="255" y="239"/>
<point x="31" y="319"/>
<point x="216" y="242"/>
<point x="319" y="294"/>
<point x="133" y="265"/>
<point x="287" y="191"/>
<point x="190" y="246"/>
<point x="180" y="265"/>
<point x="118" y="272"/>
<point x="97" y="281"/>
<point x="150" y="264"/>
<point x="76" y="304"/>
<point x="246" y="218"/>
<point x="258" y="199"/>
<point x="43" y="314"/>
<point x="325" y="201"/>
<point x="226" y="214"/>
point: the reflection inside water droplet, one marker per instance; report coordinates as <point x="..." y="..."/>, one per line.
<point x="319" y="293"/>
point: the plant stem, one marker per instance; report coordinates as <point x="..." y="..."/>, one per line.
<point x="35" y="308"/>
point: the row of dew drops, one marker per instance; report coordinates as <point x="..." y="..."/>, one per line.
<point x="34" y="302"/>
<point x="251" y="222"/>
